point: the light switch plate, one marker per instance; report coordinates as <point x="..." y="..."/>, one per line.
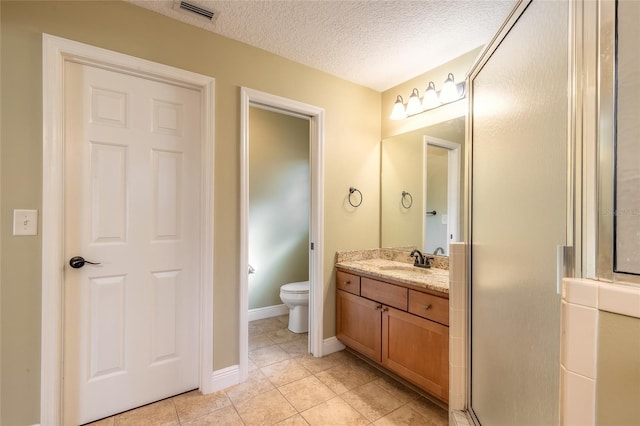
<point x="25" y="222"/>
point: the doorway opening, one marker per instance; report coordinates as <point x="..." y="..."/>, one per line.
<point x="252" y="100"/>
<point x="442" y="195"/>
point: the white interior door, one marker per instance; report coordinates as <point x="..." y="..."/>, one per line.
<point x="132" y="185"/>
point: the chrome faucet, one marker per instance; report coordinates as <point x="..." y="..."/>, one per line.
<point x="420" y="260"/>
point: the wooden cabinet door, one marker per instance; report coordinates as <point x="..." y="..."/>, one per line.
<point x="416" y="349"/>
<point x="358" y="324"/>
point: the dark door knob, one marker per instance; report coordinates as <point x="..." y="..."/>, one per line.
<point x="78" y="262"/>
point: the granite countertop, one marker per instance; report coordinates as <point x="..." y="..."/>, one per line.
<point x="434" y="279"/>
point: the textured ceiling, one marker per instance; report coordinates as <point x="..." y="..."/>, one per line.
<point x="378" y="44"/>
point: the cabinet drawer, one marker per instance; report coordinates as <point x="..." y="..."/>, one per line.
<point x="348" y="282"/>
<point x="388" y="294"/>
<point x="428" y="306"/>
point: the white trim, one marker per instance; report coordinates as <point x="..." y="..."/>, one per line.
<point x="55" y="51"/>
<point x="459" y="418"/>
<point x="267" y="312"/>
<point x="453" y="188"/>
<point x="249" y="97"/>
<point x="224" y="378"/>
<point x="331" y="345"/>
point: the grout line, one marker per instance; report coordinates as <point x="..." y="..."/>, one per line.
<point x="347" y="359"/>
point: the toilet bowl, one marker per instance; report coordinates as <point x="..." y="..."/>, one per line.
<point x="296" y="297"/>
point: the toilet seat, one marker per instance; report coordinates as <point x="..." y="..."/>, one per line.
<point x="296" y="288"/>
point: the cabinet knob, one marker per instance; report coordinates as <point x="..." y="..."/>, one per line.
<point x="427" y="307"/>
<point x="378" y="307"/>
<point x="347" y="282"/>
<point x="385" y="309"/>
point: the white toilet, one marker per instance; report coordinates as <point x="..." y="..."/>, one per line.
<point x="296" y="297"/>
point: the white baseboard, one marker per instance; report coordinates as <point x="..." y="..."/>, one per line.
<point x="459" y="418"/>
<point x="331" y="345"/>
<point x="222" y="379"/>
<point x="268" y="312"/>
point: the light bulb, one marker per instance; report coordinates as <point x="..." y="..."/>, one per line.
<point x="449" y="90"/>
<point x="398" y="112"/>
<point x="413" y="104"/>
<point x="430" y="99"/>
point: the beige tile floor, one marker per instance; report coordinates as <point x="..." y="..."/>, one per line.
<point x="287" y="386"/>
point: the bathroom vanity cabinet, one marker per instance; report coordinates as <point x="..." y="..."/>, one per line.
<point x="403" y="329"/>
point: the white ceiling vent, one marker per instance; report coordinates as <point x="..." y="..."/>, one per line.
<point x="194" y="9"/>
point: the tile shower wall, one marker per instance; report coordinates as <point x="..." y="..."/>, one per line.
<point x="584" y="303"/>
<point x="457" y="325"/>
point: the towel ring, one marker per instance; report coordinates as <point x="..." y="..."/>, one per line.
<point x="404" y="195"/>
<point x="351" y="191"/>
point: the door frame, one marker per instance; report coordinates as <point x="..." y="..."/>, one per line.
<point x="511" y="19"/>
<point x="55" y="52"/>
<point x="453" y="188"/>
<point x="248" y="98"/>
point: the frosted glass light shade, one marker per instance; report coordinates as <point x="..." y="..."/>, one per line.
<point x="413" y="104"/>
<point x="398" y="112"/>
<point x="449" y="90"/>
<point x="430" y="99"/>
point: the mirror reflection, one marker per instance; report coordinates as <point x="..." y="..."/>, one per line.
<point x="421" y="177"/>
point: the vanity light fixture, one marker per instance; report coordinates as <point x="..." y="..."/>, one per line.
<point x="450" y="92"/>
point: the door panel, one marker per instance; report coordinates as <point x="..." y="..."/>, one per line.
<point x="109" y="193"/>
<point x="107" y="338"/>
<point x="519" y="210"/>
<point x="132" y="191"/>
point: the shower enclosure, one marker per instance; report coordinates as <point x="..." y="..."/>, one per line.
<point x="519" y="216"/>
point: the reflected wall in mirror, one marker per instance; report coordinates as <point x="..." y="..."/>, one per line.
<point x="425" y="165"/>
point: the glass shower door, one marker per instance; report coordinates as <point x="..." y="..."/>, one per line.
<point x="518" y="218"/>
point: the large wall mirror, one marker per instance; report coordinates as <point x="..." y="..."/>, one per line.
<point x="421" y="176"/>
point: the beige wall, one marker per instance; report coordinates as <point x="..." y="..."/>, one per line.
<point x="618" y="385"/>
<point x="352" y="136"/>
<point x="402" y="168"/>
<point x="279" y="200"/>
